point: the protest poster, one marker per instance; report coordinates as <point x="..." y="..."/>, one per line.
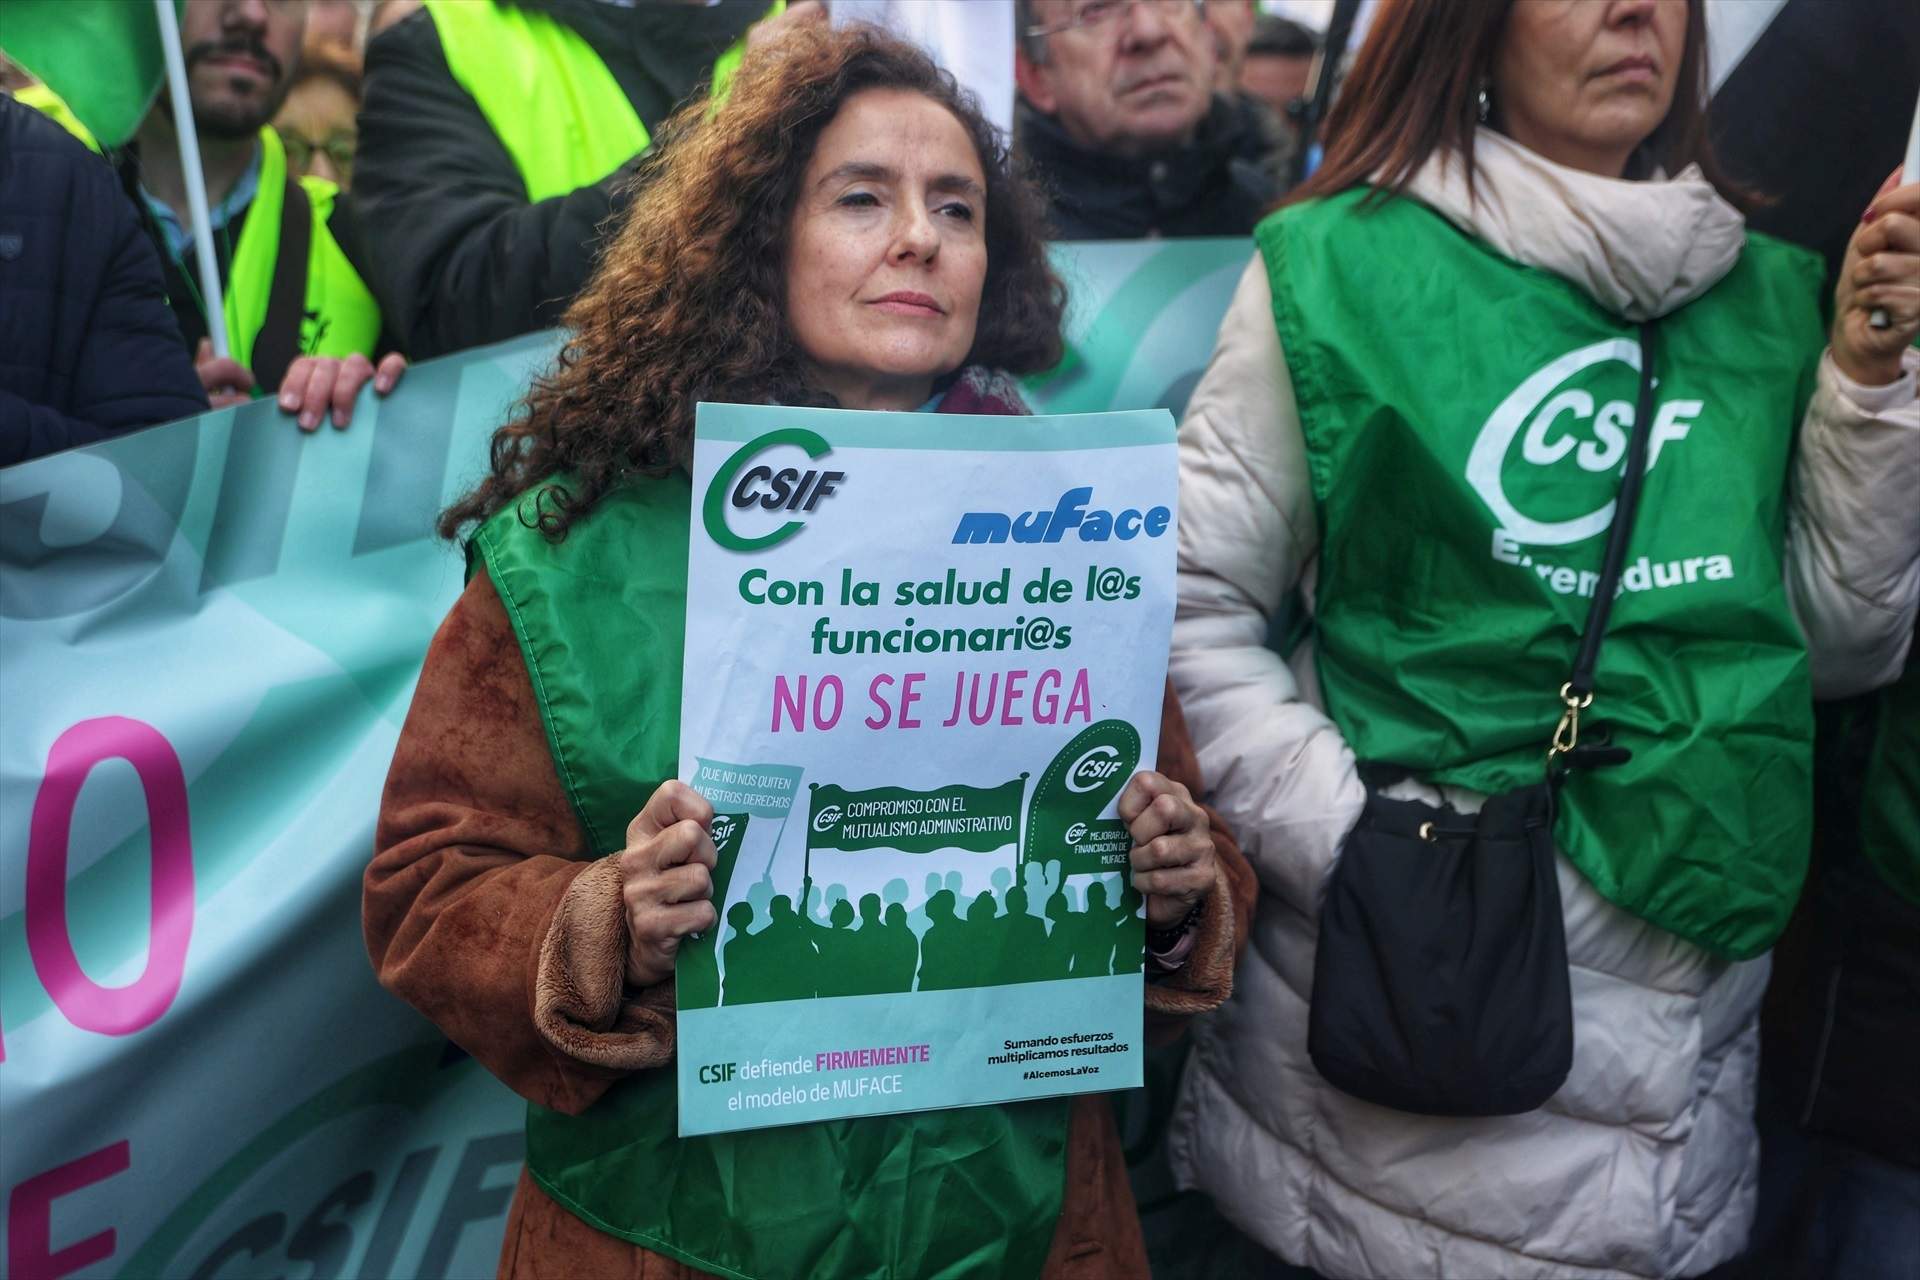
<point x="924" y="655"/>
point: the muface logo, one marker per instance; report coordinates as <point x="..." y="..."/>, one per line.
<point x="788" y="489"/>
<point x="1071" y="511"/>
<point x="1545" y="415"/>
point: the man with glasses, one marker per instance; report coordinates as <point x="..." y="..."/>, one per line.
<point x="1118" y="115"/>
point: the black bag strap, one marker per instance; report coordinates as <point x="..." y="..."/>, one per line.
<point x="1577" y="693"/>
<point x="279" y="340"/>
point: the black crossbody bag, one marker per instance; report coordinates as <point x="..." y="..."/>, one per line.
<point x="1440" y="982"/>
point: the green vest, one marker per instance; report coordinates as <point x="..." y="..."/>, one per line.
<point x="1465" y="420"/>
<point x="340" y="317"/>
<point x="549" y="98"/>
<point x="971" y="1192"/>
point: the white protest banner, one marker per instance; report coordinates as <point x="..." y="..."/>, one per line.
<point x="925" y="653"/>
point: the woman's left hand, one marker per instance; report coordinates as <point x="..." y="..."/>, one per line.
<point x="1173" y="863"/>
<point x="1881" y="271"/>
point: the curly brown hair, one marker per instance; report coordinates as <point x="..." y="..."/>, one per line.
<point x="689" y="300"/>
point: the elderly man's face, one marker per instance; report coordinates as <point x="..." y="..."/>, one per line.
<point x="1138" y="82"/>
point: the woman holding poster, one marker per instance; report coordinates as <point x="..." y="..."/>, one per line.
<point x="1510" y="378"/>
<point x="846" y="231"/>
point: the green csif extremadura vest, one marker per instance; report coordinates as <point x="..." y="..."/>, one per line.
<point x="600" y="618"/>
<point x="1465" y="420"/>
<point x="549" y="98"/>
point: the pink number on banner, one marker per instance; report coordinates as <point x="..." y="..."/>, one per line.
<point x="112" y="1011"/>
<point x="30" y="1251"/>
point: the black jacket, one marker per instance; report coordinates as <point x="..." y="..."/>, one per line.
<point x="1218" y="185"/>
<point x="87" y="346"/>
<point x="1841" y="1026"/>
<point x="457" y="254"/>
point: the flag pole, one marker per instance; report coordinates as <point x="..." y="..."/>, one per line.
<point x="806" y="875"/>
<point x="196" y="180"/>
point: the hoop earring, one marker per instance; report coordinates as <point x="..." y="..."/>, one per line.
<point x="1483" y="103"/>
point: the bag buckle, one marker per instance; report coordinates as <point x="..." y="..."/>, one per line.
<point x="1566" y="734"/>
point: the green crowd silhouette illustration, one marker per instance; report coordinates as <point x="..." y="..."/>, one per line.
<point x="1046" y="929"/>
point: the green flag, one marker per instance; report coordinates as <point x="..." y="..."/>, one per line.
<point x="978" y="819"/>
<point x="102" y="57"/>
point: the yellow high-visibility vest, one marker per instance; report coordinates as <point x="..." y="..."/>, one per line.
<point x="550" y="99"/>
<point x="340" y="316"/>
<point x="54" y="107"/>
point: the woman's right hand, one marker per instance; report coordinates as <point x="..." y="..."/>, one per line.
<point x="667" y="880"/>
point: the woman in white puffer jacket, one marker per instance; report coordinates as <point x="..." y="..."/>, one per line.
<point x="1415" y="416"/>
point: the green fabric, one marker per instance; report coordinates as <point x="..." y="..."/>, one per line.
<point x="1890" y="811"/>
<point x="340" y="316"/>
<point x="101" y="56"/>
<point x="1443" y="641"/>
<point x="971" y="1192"/>
<point x="550" y="99"/>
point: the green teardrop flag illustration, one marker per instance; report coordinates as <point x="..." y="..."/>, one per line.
<point x="1063" y="820"/>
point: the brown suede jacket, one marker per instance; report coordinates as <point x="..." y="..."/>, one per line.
<point x="485" y="909"/>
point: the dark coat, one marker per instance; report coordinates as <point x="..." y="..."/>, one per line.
<point x="1841" y="1026"/>
<point x="88" y="347"/>
<point x="456" y="253"/>
<point x="1218" y="185"/>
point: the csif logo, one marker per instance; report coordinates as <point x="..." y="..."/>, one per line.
<point x="1095" y="767"/>
<point x="826" y="818"/>
<point x="742" y="487"/>
<point x="1546" y="416"/>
